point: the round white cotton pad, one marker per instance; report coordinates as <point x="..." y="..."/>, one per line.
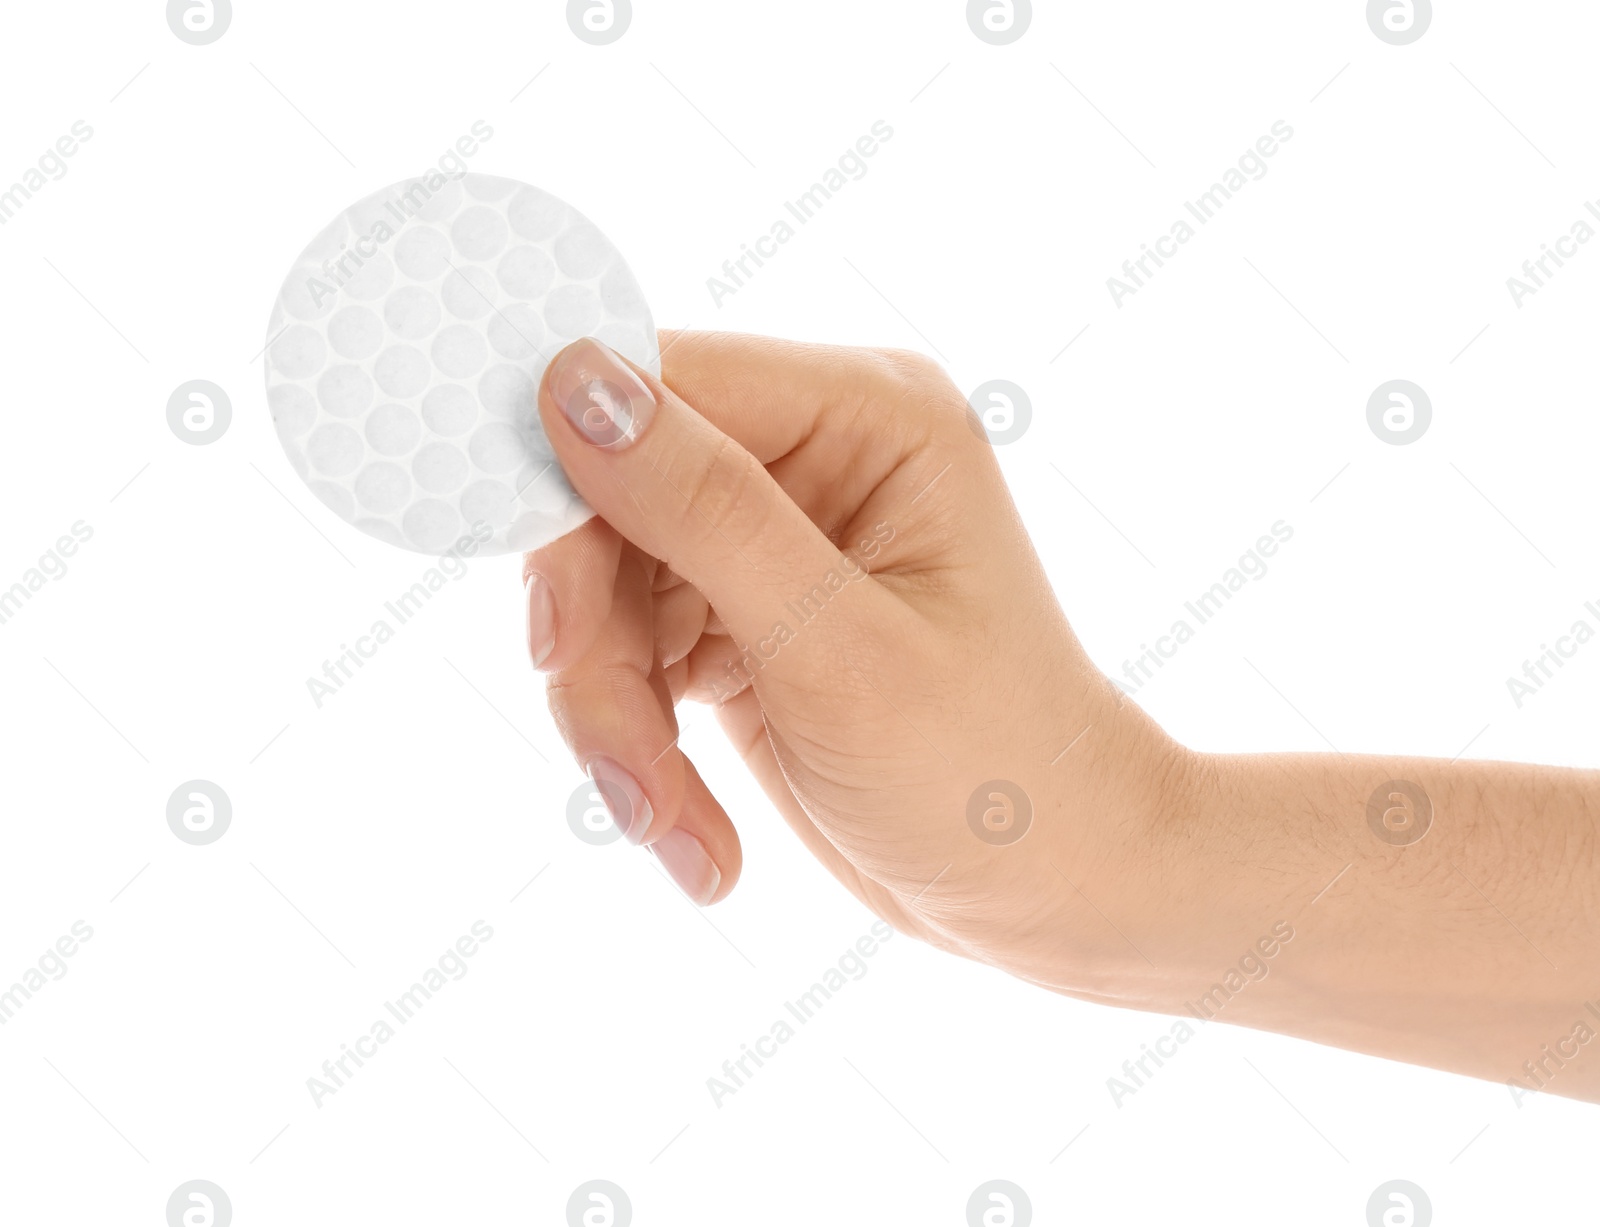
<point x="407" y="345"/>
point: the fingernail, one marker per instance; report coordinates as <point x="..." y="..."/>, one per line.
<point x="685" y="858"/>
<point x="603" y="399"/>
<point x="541" y="619"/>
<point x="629" y="807"/>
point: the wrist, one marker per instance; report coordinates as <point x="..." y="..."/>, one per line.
<point x="1127" y="910"/>
<point x="1216" y="888"/>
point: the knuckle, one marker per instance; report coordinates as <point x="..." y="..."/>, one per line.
<point x="926" y="394"/>
<point x="911" y="367"/>
<point x="580" y="699"/>
<point x="721" y="491"/>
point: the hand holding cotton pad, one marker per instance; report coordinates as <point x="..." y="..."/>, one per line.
<point x="407" y="346"/>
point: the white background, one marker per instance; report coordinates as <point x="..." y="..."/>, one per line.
<point x="370" y="834"/>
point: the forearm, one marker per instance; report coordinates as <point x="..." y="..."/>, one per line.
<point x="1468" y="940"/>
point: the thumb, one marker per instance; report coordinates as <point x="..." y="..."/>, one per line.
<point x="684" y="492"/>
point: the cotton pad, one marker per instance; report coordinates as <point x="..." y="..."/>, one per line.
<point x="407" y="345"/>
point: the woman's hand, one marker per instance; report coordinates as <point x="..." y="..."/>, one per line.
<point x="819" y="541"/>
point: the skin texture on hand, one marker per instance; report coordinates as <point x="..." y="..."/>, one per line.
<point x="823" y="547"/>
